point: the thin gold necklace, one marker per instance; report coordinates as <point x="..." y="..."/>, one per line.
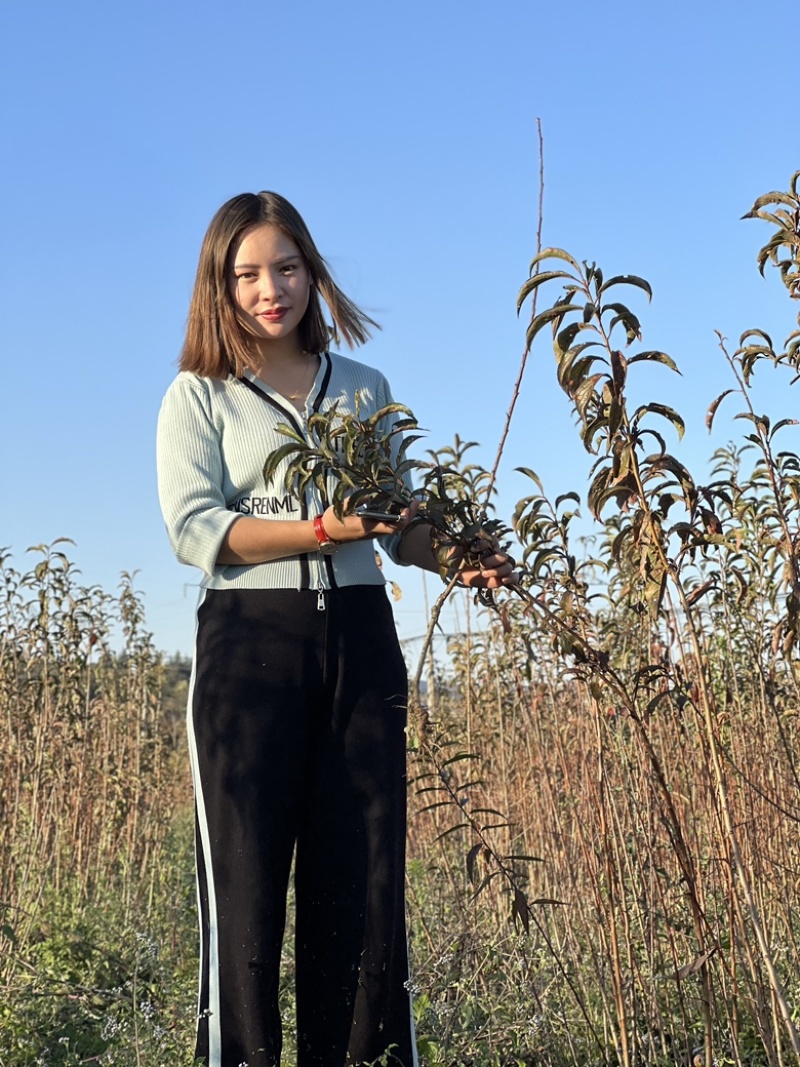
<point x="300" y="391"/>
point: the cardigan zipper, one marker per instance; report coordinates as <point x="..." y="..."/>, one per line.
<point x="305" y="575"/>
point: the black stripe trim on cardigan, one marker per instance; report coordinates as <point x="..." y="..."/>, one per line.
<point x="323" y="389"/>
<point x="305" y="567"/>
<point x="323" y="392"/>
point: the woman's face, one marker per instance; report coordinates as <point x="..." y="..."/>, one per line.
<point x="269" y="282"/>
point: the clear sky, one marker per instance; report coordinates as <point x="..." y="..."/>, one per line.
<point x="406" y="135"/>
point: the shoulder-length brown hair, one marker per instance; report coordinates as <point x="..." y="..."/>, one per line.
<point x="218" y="342"/>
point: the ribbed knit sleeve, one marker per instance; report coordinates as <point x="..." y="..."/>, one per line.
<point x="190" y="475"/>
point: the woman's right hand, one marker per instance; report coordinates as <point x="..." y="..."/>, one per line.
<point x="252" y="540"/>
<point x="354" y="527"/>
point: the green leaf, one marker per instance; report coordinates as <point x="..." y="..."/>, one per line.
<point x="765" y="337"/>
<point x="654" y="357"/>
<point x="663" y="410"/>
<point x="438" y="804"/>
<point x="406" y="443"/>
<point x="289" y="431"/>
<point x="781" y="423"/>
<point x="542" y="556"/>
<point x="566" y="496"/>
<point x="275" y="459"/>
<point x="668" y="463"/>
<point x="599" y="491"/>
<point x="593" y="428"/>
<point x="619" y="369"/>
<point x="466" y="825"/>
<point x="654" y="433"/>
<point x="712" y="410"/>
<point x="519" y="910"/>
<point x="772" y="198"/>
<point x="565" y="338"/>
<point x="571" y="373"/>
<point x="537" y="280"/>
<point x="532" y="475"/>
<point x="555" y="253"/>
<point x="554" y="314"/>
<point x="760" y="422"/>
<point x="390" y="409"/>
<point x="459" y="757"/>
<point x="472" y="859"/>
<point x="626" y="317"/>
<point x="628" y="279"/>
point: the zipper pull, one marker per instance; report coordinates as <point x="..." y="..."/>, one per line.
<point x="320" y="597"/>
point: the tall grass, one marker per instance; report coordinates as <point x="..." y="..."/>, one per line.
<point x="584" y="871"/>
<point x="635" y="806"/>
<point x="570" y="883"/>
<point x="92" y="850"/>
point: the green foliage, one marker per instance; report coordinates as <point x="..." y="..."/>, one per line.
<point x="618" y="724"/>
<point x="94" y="983"/>
<point x="367" y="460"/>
<point x="366" y="456"/>
<point x="594" y="374"/>
<point x="785" y="217"/>
<point x="96" y="895"/>
<point x="783" y="252"/>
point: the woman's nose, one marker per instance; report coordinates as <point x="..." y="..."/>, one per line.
<point x="270" y="285"/>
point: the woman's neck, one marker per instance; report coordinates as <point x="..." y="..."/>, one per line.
<point x="292" y="375"/>
<point x="279" y="354"/>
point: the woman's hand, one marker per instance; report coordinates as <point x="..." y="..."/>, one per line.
<point x="494" y="572"/>
<point x="252" y="540"/>
<point x="352" y="527"/>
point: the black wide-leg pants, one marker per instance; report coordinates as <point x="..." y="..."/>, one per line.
<point x="297" y="737"/>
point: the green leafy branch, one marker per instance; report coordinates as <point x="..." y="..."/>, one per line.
<point x="365" y="454"/>
<point x="777" y="470"/>
<point x="785" y="242"/>
<point x="365" y="460"/>
<point x="442" y="789"/>
<point x="593" y="373"/>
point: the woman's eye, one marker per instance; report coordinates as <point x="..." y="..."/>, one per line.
<point x="287" y="268"/>
<point x="246" y="276"/>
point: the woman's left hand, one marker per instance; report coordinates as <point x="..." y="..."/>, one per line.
<point x="494" y="572"/>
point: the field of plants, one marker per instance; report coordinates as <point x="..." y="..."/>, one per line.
<point x="604" y="768"/>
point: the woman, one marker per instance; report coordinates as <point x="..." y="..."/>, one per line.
<point x="297" y="707"/>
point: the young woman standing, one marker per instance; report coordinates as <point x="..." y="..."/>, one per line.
<point x="297" y="708"/>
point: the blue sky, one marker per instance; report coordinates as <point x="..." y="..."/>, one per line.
<point x="406" y="135"/>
